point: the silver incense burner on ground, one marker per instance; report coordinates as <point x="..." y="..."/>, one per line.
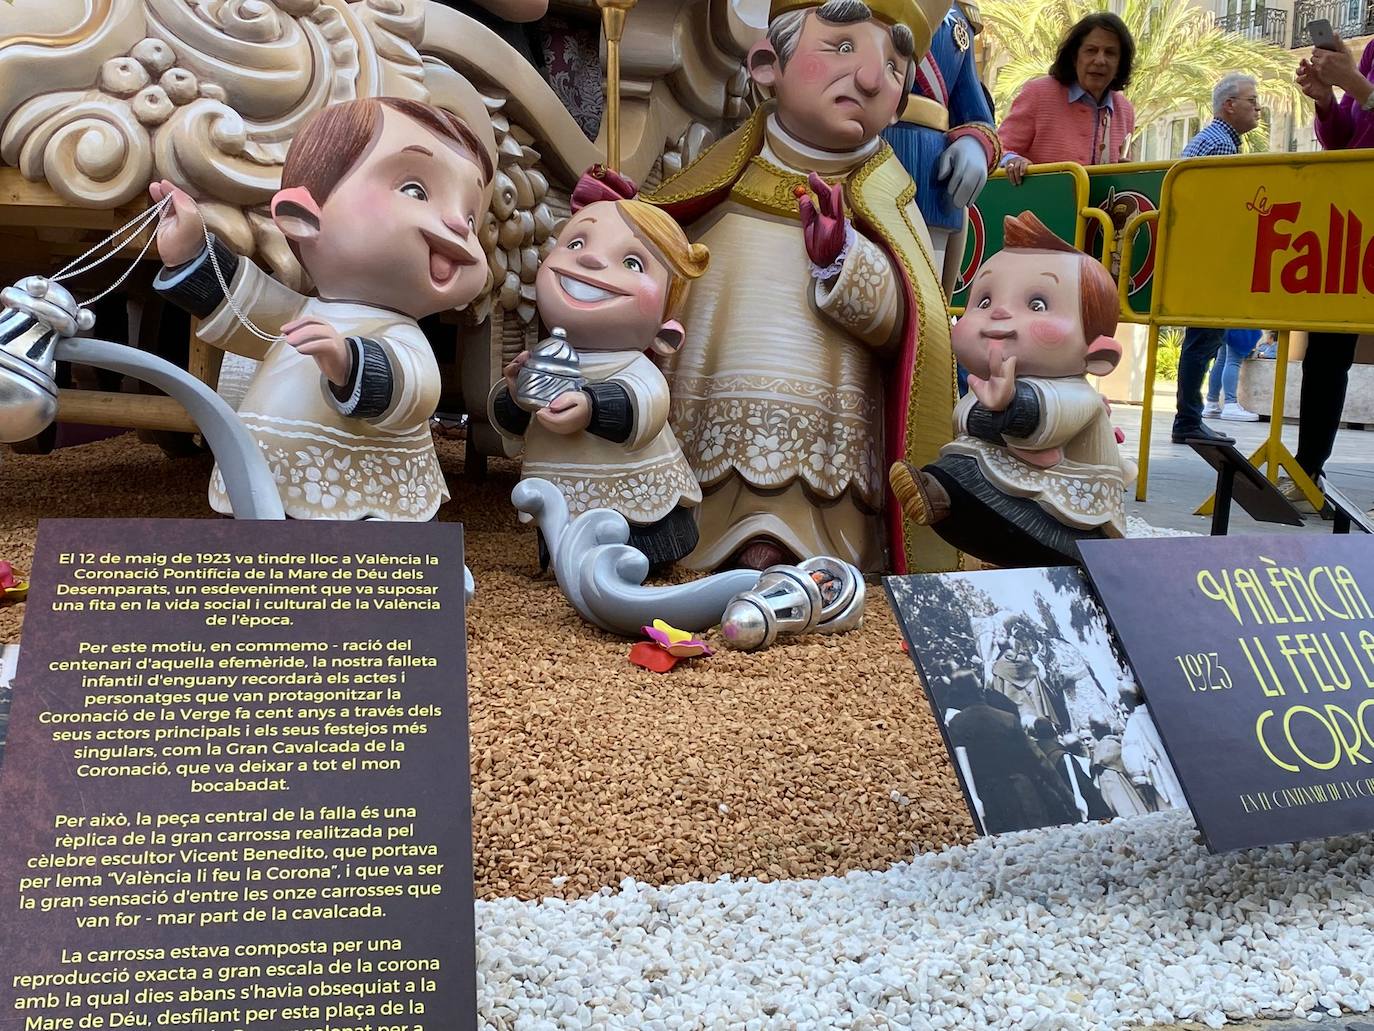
<point x="821" y="595"/>
<point x="552" y="368"/>
<point x="37" y="313"/>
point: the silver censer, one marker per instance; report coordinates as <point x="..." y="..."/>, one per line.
<point x="820" y="595"/>
<point x="36" y="314"/>
<point x="551" y="369"/>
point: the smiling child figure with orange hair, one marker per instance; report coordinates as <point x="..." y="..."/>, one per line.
<point x="614" y="284"/>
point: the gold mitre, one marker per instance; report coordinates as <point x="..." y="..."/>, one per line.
<point x="920" y="16"/>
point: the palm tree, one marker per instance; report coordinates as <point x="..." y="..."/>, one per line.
<point x="1180" y="55"/>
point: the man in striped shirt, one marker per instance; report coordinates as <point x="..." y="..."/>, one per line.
<point x="1235" y="111"/>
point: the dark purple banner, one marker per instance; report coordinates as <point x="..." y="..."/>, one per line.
<point x="235" y="791"/>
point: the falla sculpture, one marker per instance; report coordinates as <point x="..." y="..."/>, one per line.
<point x="1035" y="465"/>
<point x="338" y="413"/>
<point x="341" y="402"/>
<point x="589" y="405"/>
<point x="604" y="478"/>
<point x="612" y="287"/>
<point x="799" y="382"/>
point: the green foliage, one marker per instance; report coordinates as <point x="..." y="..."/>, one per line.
<point x="1166" y="356"/>
<point x="1180" y="55"/>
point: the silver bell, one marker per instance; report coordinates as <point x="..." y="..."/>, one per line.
<point x="35" y="314"/>
<point x="551" y="369"/>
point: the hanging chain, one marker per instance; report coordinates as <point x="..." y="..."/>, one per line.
<point x="116" y="240"/>
<point x="151" y="219"/>
<point x="239" y="314"/>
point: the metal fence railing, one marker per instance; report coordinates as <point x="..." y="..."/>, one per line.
<point x="1263" y="24"/>
<point x="1350" y="18"/>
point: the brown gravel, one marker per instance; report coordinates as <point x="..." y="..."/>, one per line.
<point x="782" y="764"/>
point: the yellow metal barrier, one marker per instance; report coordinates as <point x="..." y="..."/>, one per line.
<point x="1256" y="241"/>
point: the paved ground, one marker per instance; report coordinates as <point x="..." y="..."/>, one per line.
<point x="1179" y="480"/>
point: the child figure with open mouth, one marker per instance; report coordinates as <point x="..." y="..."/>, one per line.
<point x="380" y="200"/>
<point x="610" y="291"/>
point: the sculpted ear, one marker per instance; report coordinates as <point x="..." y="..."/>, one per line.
<point x="763" y="64"/>
<point x="1102" y="356"/>
<point x="296" y="214"/>
<point x="669" y="338"/>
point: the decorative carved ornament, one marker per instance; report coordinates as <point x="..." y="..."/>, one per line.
<point x="101" y="97"/>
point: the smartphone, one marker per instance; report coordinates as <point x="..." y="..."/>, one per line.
<point x="1322" y="35"/>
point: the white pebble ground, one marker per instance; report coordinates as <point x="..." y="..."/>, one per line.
<point x="1084" y="927"/>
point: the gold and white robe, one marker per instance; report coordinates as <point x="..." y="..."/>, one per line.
<point x="776" y="393"/>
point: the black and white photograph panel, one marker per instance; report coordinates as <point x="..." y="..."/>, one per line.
<point x="1042" y="718"/>
<point x="9" y="659"/>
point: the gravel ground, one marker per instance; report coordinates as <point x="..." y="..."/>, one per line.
<point x="1072" y="929"/>
<point x="586" y="769"/>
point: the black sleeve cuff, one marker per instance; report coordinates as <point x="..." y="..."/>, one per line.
<point x="613" y="417"/>
<point x="367" y="394"/>
<point x="1020" y="418"/>
<point x="193" y="286"/>
<point x="509" y="415"/>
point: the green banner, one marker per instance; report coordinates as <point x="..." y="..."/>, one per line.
<point x="1053" y="196"/>
<point x="1122" y="192"/>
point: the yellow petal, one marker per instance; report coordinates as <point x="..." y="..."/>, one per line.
<point x="675" y="636"/>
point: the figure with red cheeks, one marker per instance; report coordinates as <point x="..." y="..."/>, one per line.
<point x="800" y="382"/>
<point x="380" y="202"/>
<point x="1034" y="466"/>
<point x="614" y="285"/>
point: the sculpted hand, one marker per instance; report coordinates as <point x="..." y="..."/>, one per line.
<point x="512" y="371"/>
<point x="996" y="392"/>
<point x="180" y="235"/>
<point x="1016" y="169"/>
<point x="321" y="341"/>
<point x="1312" y="85"/>
<point x="963" y="168"/>
<point x="570" y="412"/>
<point x="824" y="222"/>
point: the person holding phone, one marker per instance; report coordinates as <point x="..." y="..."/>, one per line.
<point x="1348" y="123"/>
<point x="1341" y="125"/>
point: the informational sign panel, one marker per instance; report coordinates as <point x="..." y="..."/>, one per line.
<point x="1054" y="196"/>
<point x="1272" y="241"/>
<point x="1124" y="191"/>
<point x="235" y="792"/>
<point x="1256" y="655"/>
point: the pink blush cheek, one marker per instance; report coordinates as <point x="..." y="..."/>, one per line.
<point x="1051" y="332"/>
<point x="811" y="69"/>
<point x="649" y="299"/>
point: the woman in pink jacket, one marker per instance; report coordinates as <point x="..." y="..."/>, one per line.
<point x="1077" y="112"/>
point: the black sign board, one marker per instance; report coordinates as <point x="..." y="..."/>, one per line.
<point x="1345" y="513"/>
<point x="235" y="791"/>
<point x="1256" y="655"/>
